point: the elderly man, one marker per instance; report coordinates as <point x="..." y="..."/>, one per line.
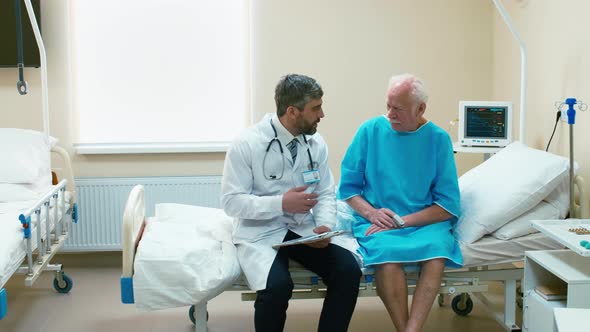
<point x="399" y="176"/>
<point x="274" y="174"/>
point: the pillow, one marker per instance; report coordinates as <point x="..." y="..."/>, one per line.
<point x="53" y="141"/>
<point x="504" y="187"/>
<point x="554" y="206"/>
<point x="521" y="226"/>
<point x="209" y="220"/>
<point x="25" y="157"/>
<point x="14" y="193"/>
<point x="560" y="197"/>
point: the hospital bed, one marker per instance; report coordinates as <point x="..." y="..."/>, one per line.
<point x="35" y="218"/>
<point x="487" y="259"/>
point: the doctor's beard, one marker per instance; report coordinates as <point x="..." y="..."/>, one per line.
<point x="307" y="128"/>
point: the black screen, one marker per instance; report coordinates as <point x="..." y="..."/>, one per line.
<point x="8" y="46"/>
<point x="486" y="122"/>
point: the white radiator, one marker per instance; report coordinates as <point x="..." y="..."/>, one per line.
<point x="101" y="202"/>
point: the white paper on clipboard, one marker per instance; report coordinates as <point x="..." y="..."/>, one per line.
<point x="309" y="239"/>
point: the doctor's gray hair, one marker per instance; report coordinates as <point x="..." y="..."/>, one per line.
<point x="296" y="90"/>
<point x="418" y="91"/>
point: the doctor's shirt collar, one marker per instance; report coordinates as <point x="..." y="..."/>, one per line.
<point x="283" y="134"/>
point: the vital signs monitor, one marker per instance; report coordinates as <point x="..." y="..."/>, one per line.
<point x="485" y="123"/>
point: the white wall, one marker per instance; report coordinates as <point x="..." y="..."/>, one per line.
<point x="558" y="45"/>
<point x="351" y="47"/>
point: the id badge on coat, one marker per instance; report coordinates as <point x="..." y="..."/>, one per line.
<point x="310" y="177"/>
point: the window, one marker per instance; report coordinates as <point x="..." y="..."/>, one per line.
<point x="163" y="73"/>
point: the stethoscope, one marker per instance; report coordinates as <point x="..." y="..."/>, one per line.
<point x="270" y="143"/>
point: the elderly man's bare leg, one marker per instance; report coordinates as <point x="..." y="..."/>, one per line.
<point x="391" y="285"/>
<point x="426" y="291"/>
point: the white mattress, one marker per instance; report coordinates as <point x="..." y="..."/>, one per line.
<point x="489" y="250"/>
<point x="12" y="243"/>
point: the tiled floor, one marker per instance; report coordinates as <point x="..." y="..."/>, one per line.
<point x="94" y="305"/>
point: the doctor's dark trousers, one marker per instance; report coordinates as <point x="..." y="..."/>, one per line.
<point x="339" y="271"/>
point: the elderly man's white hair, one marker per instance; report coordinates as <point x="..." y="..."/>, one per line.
<point x="418" y="91"/>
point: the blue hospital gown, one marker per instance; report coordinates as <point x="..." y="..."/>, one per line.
<point x="405" y="172"/>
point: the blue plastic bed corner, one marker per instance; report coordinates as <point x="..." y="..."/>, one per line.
<point x="127" y="290"/>
<point x="75" y="213"/>
<point x="3" y="303"/>
<point x="26" y="222"/>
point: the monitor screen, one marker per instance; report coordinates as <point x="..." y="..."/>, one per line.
<point x="485" y="121"/>
<point x="8" y="40"/>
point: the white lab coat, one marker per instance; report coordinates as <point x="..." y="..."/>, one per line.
<point x="255" y="202"/>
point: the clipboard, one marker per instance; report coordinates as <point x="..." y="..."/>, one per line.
<point x="309" y="239"/>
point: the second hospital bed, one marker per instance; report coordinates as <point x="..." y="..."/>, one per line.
<point x="487" y="259"/>
<point x="34" y="216"/>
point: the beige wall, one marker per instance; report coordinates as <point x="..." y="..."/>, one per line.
<point x="350" y="46"/>
<point x="558" y="45"/>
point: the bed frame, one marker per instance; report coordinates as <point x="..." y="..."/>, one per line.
<point x="460" y="284"/>
<point x="49" y="240"/>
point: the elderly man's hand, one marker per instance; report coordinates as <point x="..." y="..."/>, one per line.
<point x="382" y="218"/>
<point x="375" y="229"/>
<point x="321" y="243"/>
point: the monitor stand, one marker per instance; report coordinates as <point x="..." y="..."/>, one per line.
<point x="487" y="151"/>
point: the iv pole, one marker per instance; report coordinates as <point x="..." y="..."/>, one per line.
<point x="571" y="120"/>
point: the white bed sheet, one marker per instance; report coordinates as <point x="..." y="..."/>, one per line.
<point x="13" y="247"/>
<point x="188" y="258"/>
<point x="489" y="250"/>
<point x="184" y="259"/>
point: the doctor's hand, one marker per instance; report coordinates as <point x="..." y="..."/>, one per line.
<point x="297" y="201"/>
<point x="321" y="243"/>
<point x="382" y="218"/>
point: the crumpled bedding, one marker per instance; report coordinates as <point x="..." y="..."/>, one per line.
<point x="185" y="256"/>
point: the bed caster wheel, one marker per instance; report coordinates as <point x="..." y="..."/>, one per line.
<point x="62" y="283"/>
<point x="441" y="300"/>
<point x="191" y="315"/>
<point x="462" y="309"/>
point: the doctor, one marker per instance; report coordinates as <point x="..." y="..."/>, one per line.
<point x="275" y="173"/>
